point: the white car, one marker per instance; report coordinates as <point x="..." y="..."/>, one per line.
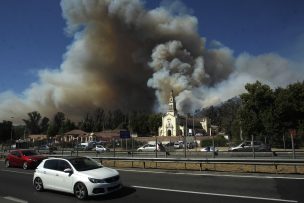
<point x="80" y="176"/>
<point x="179" y="145"/>
<point x="100" y="148"/>
<point x="209" y="149"/>
<point x="148" y="148"/>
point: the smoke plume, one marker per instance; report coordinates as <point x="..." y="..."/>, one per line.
<point x="124" y="56"/>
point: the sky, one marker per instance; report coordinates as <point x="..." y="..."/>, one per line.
<point x="33" y="37"/>
<point x="36" y="37"/>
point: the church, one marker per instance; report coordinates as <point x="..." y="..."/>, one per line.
<point x="174" y="124"/>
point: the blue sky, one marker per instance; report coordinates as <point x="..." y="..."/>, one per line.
<point x="32" y="33"/>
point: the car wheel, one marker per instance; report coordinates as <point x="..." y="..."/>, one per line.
<point x="140" y="150"/>
<point x="80" y="191"/>
<point x="7" y="163"/>
<point x="25" y="166"/>
<point x="38" y="185"/>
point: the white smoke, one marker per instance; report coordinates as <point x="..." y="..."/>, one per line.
<point x="124" y="56"/>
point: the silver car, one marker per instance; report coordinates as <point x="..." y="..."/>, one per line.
<point x="247" y="146"/>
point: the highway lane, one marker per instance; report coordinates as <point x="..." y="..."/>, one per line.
<point x="161" y="186"/>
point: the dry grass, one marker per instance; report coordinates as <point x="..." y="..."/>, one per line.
<point x="281" y="169"/>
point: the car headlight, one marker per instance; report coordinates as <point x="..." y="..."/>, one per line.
<point x="94" y="180"/>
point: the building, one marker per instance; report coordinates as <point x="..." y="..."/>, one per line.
<point x="35" y="138"/>
<point x="174" y="124"/>
<point x="78" y="135"/>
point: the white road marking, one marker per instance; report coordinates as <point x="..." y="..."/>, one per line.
<point x="14" y="199"/>
<point x="214" y="194"/>
<point x="215" y="175"/>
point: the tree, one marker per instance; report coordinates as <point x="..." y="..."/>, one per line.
<point x="51" y="131"/>
<point x="154" y="122"/>
<point x="67" y="126"/>
<point x="289" y="109"/>
<point x="229" y="116"/>
<point x="87" y="124"/>
<point x="213" y="114"/>
<point x="5" y="130"/>
<point x="36" y="125"/>
<point x="138" y="123"/>
<point x="57" y="125"/>
<point x="119" y="119"/>
<point x="256" y="113"/>
<point x="44" y="124"/>
<point x="58" y="121"/>
<point x="99" y="120"/>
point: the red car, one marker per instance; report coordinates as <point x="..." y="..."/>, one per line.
<point x="24" y="158"/>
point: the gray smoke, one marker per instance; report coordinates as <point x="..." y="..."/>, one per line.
<point x="124" y="56"/>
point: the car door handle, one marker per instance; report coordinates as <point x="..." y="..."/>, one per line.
<point x="57" y="175"/>
<point x="44" y="172"/>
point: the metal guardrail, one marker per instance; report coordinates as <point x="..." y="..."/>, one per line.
<point x="248" y="161"/>
<point x="296" y="165"/>
<point x="262" y="161"/>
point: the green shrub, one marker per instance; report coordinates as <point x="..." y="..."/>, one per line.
<point x="219" y="141"/>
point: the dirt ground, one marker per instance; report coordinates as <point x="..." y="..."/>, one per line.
<point x="275" y="169"/>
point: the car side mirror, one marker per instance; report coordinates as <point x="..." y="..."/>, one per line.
<point x="68" y="170"/>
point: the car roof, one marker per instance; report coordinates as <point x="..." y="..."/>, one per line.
<point x="68" y="157"/>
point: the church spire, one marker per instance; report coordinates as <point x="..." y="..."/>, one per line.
<point x="172" y="104"/>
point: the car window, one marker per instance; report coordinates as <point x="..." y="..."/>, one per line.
<point x="16" y="153"/>
<point x="84" y="164"/>
<point x="248" y="143"/>
<point x="51" y="164"/>
<point x="29" y="153"/>
<point x="63" y="165"/>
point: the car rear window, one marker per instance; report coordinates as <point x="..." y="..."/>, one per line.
<point x="29" y="153"/>
<point x="51" y="164"/>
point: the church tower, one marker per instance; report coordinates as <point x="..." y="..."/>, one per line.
<point x="170" y="120"/>
<point x="172" y="104"/>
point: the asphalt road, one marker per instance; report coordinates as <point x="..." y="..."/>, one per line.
<point x="162" y="186"/>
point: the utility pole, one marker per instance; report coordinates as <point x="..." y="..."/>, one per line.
<point x="12" y="131"/>
<point x="185" y="137"/>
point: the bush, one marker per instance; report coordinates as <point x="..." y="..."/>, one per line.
<point x="219" y="141"/>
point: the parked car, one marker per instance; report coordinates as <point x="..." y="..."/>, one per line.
<point x="43" y="147"/>
<point x="209" y="149"/>
<point x="246" y="146"/>
<point x="81" y="147"/>
<point x="191" y="145"/>
<point x="47" y="149"/>
<point x="179" y="145"/>
<point x="81" y="176"/>
<point x="24" y="158"/>
<point x="100" y="148"/>
<point x="151" y="148"/>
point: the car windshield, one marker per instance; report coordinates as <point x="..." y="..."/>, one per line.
<point x="29" y="153"/>
<point x="84" y="164"/>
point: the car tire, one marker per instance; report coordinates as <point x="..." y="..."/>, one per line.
<point x="25" y="166"/>
<point x="38" y="184"/>
<point x="7" y="164"/>
<point x="80" y="191"/>
<point x="140" y="150"/>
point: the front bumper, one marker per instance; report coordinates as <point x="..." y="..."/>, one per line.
<point x="103" y="188"/>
